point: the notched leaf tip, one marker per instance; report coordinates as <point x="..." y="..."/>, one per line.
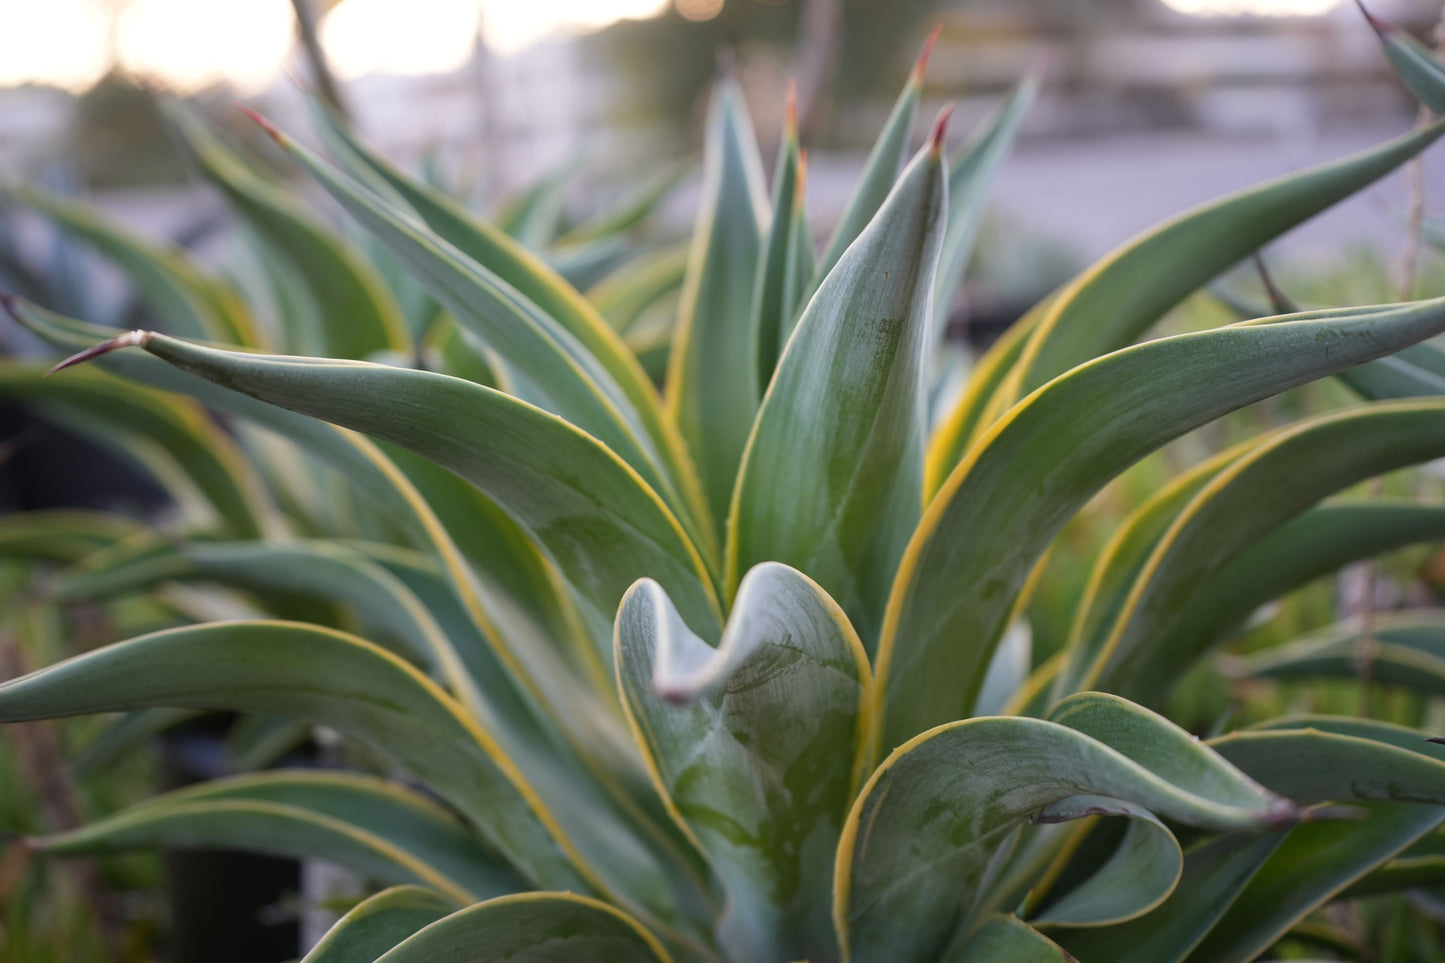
<point x="264" y="124"/>
<point x="131" y="339"/>
<point x="925" y="53"/>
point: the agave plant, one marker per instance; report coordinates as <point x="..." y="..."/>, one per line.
<point x="737" y="671"/>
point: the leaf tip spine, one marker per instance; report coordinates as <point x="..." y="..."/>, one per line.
<point x="940" y="129"/>
<point x="264" y="124"/>
<point x="1380" y="26"/>
<point x="922" y="63"/>
<point x="131" y="339"/>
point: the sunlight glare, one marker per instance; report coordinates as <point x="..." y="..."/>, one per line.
<point x="1257" y="8"/>
<point x="189" y="44"/>
<point x="510" y="25"/>
<point x="60" y="42"/>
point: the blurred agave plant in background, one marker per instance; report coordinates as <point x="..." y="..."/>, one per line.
<point x="735" y="671"/>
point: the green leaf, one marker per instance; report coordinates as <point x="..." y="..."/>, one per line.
<point x="1121" y="560"/>
<point x="378" y="923"/>
<point x="374" y="827"/>
<point x="546" y="364"/>
<point x="1418" y="371"/>
<point x="503" y="262"/>
<point x="772" y="311"/>
<point x="1316" y="543"/>
<point x="534" y="214"/>
<point x="198" y="463"/>
<point x="570" y="742"/>
<point x="355" y="313"/>
<point x="327" y="677"/>
<point x="1406" y="649"/>
<point x="315" y="568"/>
<point x="1007" y="938"/>
<point x="1313" y="864"/>
<point x="712" y="377"/>
<point x="969" y="178"/>
<point x="63" y="534"/>
<point x="1159" y="746"/>
<point x="1256" y="494"/>
<point x="999" y="509"/>
<point x="532" y="928"/>
<point x="625" y="297"/>
<point x="627" y="211"/>
<point x="1344" y="760"/>
<point x="1416" y="64"/>
<point x="758" y="745"/>
<point x="1137" y="876"/>
<point x="1118" y="299"/>
<point x="596" y="518"/>
<point x="880" y="170"/>
<point x="913" y="863"/>
<point x="831" y="476"/>
<point x="185" y="299"/>
<point x="1214" y="873"/>
<point x="969" y="415"/>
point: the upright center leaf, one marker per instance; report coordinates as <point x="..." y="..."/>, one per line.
<point x="831" y="481"/>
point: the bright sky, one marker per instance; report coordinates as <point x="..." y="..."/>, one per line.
<point x="1262" y="8"/>
<point x="190" y="43"/>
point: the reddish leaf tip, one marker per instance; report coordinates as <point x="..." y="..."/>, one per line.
<point x="790" y="111"/>
<point x="264" y="124"/>
<point x="1381" y="27"/>
<point x="940" y="128"/>
<point x="131" y="339"/>
<point x="926" y="52"/>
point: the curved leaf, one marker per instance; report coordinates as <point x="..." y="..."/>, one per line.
<point x="1007" y="938"/>
<point x="532" y="928"/>
<point x="912" y="861"/>
<point x="1403" y="648"/>
<point x="371" y="826"/>
<point x="184" y="298"/>
<point x="1256" y="494"/>
<point x="748" y="743"/>
<point x="831" y="476"/>
<point x="985" y="530"/>
<point x="300" y="671"/>
<point x="378" y="923"/>
<point x="190" y="455"/>
<point x="1316" y="543"/>
<point x="598" y="520"/>
<point x="1122" y="558"/>
<point x="1137" y="876"/>
<point x="546" y="363"/>
<point x="1118" y="299"/>
<point x="63" y="534"/>
<point x="355" y="313"/>
<point x="503" y="260"/>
